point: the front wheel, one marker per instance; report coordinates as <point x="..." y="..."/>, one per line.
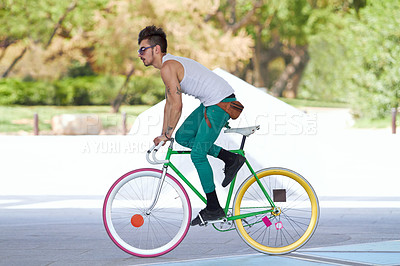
<point x="284" y="228"/>
<point x="132" y="227"/>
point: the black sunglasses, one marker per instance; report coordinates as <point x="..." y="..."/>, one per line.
<point x="141" y="50"/>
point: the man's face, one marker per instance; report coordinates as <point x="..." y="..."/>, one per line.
<point x="146" y="55"/>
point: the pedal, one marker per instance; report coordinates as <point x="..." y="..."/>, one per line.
<point x="203" y="223"/>
<point x="223" y="220"/>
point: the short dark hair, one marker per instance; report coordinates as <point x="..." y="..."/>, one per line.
<point x="156" y="36"/>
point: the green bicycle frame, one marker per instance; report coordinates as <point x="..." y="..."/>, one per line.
<point x="171" y="152"/>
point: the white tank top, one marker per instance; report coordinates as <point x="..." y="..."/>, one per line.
<point x="200" y="82"/>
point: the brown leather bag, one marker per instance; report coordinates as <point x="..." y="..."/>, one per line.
<point x="234" y="109"/>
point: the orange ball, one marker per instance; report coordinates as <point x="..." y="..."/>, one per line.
<point x="137" y="220"/>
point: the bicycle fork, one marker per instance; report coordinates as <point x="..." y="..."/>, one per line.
<point x="158" y="191"/>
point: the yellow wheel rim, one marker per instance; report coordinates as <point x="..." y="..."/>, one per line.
<point x="313" y="219"/>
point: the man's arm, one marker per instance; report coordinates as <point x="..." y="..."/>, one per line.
<point x="173" y="105"/>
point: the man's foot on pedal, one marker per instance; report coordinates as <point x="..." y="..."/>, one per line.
<point x="232" y="169"/>
<point x="206" y="215"/>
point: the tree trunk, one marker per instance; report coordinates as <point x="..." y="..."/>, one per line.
<point x="258" y="79"/>
<point x="280" y="84"/>
<point x="273" y="51"/>
<point x="117" y="102"/>
<point x="299" y="60"/>
<point x="60" y="21"/>
<point x="5" y="74"/>
<point x="234" y="25"/>
<point x="292" y="86"/>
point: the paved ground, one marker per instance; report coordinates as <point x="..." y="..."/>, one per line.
<point x="68" y="230"/>
<point x="48" y="231"/>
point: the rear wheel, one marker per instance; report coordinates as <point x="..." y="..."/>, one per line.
<point x="138" y="232"/>
<point x="283" y="229"/>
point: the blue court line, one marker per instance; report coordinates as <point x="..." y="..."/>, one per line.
<point x="386" y="246"/>
<point x="378" y="253"/>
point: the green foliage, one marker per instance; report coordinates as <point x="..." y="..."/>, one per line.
<point x="78" y="70"/>
<point x="377" y="82"/>
<point x="37" y="19"/>
<point x="145" y="90"/>
<point x="355" y="59"/>
<point x="74" y="91"/>
<point x="292" y="20"/>
<point x="13" y="91"/>
<point x="353" y="47"/>
<point x="86" y="90"/>
<point x="288" y="18"/>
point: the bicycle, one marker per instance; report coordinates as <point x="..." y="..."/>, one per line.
<point x="147" y="212"/>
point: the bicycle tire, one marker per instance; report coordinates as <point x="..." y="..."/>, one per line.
<point x="283" y="232"/>
<point x="138" y="233"/>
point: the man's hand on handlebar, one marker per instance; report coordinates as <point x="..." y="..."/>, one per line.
<point x="158" y="139"/>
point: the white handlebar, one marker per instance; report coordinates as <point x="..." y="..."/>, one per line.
<point x="154" y="150"/>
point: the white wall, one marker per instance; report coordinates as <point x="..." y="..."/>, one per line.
<point x="356" y="163"/>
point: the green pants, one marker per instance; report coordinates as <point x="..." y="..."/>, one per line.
<point x="196" y="135"/>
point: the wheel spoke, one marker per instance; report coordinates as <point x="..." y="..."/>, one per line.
<point x="294" y="215"/>
<point x="162" y="229"/>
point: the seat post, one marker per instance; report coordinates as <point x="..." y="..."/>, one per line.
<point x="243" y="141"/>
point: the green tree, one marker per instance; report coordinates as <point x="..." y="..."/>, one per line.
<point x="34" y="25"/>
<point x="280" y="31"/>
<point x="354" y="58"/>
<point x="377" y="83"/>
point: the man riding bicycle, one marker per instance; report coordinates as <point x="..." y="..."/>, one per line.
<point x="202" y="127"/>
